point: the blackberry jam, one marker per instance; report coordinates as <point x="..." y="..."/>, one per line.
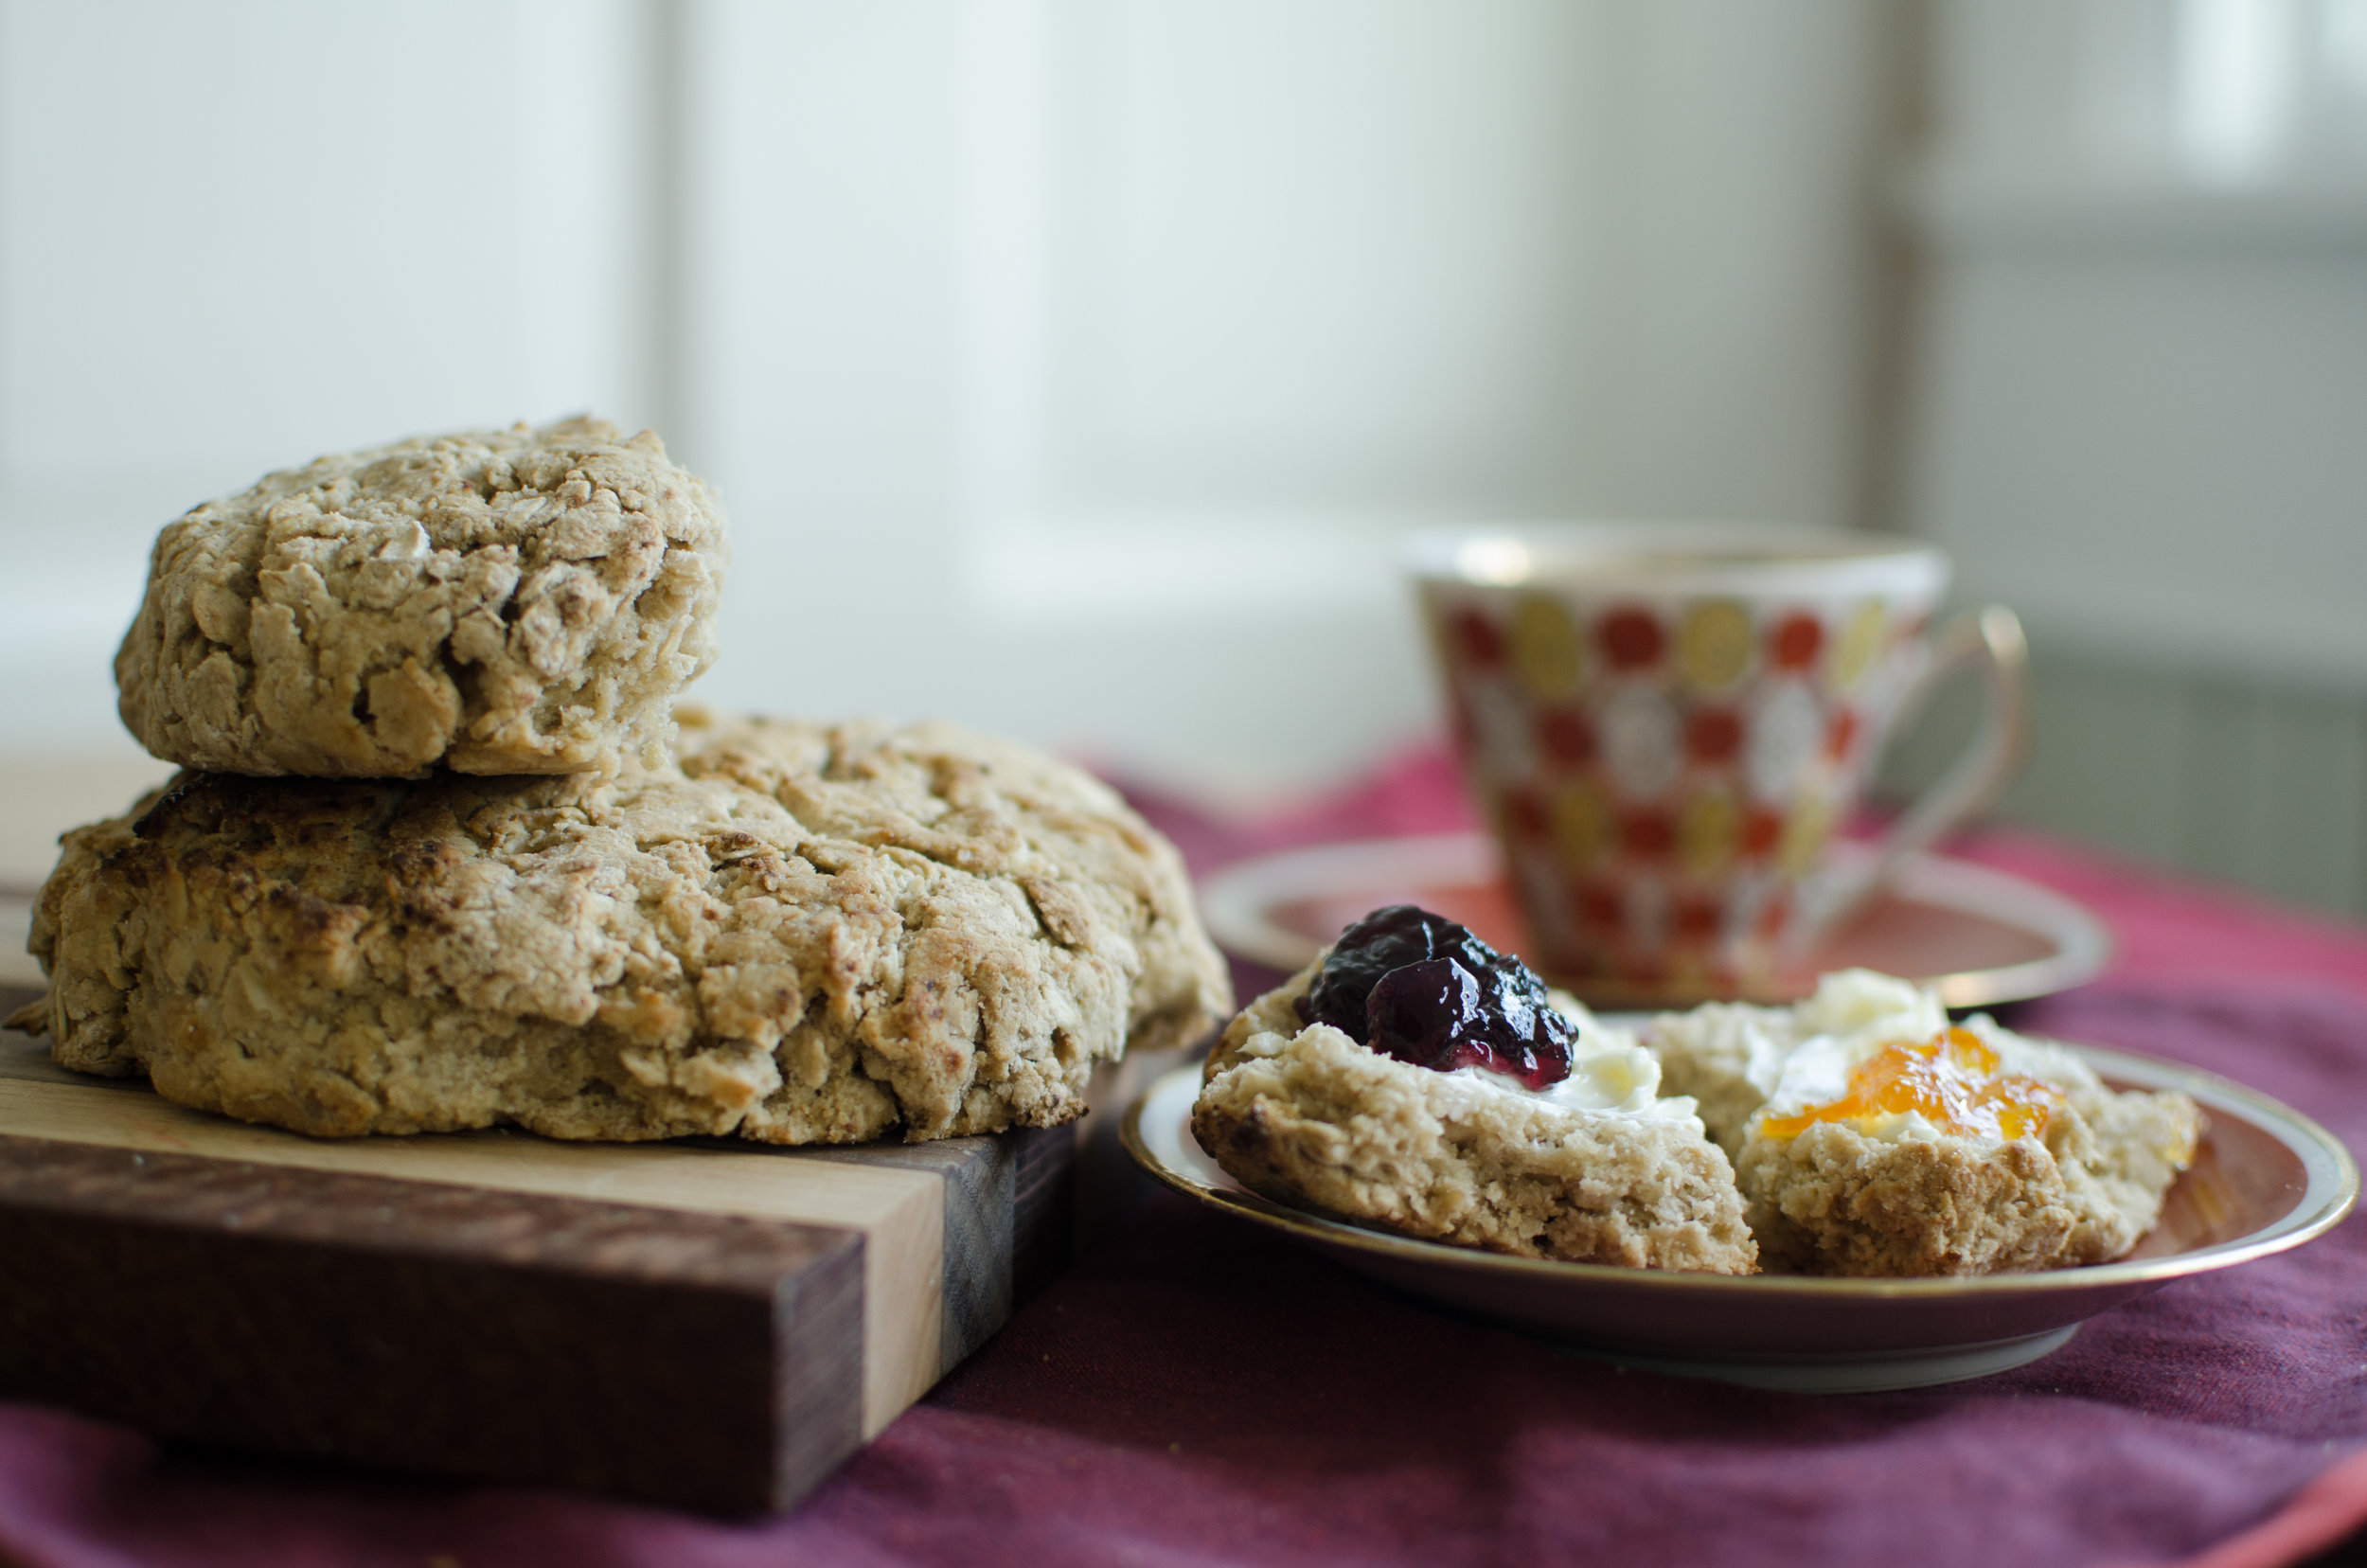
<point x="1419" y="988"/>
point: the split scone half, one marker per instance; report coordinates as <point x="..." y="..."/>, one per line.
<point x="1873" y="1138"/>
<point x="1593" y="1169"/>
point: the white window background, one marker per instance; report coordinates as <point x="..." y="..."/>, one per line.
<point x="1066" y="367"/>
<point x="2145" y="409"/>
<point x="2141" y="410"/>
<point x="1072" y="366"/>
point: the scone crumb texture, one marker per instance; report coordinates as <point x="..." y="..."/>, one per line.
<point x="510" y="602"/>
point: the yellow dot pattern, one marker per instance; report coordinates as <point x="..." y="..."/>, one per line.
<point x="1861" y="640"/>
<point x="1709" y="826"/>
<point x="1714" y="644"/>
<point x="1581" y="826"/>
<point x="1547" y="653"/>
<point x="1805" y="830"/>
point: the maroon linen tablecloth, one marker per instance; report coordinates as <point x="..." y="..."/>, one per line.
<point x="1196" y="1392"/>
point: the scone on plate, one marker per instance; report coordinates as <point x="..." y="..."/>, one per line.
<point x="1413" y="1080"/>
<point x="513" y="601"/>
<point x="1873" y="1138"/>
<point x="801" y="935"/>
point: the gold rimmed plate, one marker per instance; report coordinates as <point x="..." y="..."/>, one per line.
<point x="2265" y="1179"/>
<point x="1976" y="935"/>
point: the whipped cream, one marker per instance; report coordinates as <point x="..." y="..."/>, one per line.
<point x="1609" y="1074"/>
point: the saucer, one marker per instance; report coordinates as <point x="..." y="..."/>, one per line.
<point x="1978" y="936"/>
<point x="2265" y="1178"/>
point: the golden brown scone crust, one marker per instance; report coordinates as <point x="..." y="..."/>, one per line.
<point x="516" y="601"/>
<point x="1833" y="1200"/>
<point x="804" y="935"/>
<point x="1307" y="1117"/>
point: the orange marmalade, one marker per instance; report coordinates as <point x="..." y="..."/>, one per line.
<point x="1950" y="1080"/>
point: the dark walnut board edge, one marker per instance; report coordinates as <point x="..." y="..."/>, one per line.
<point x="716" y="1361"/>
<point x="497" y="1336"/>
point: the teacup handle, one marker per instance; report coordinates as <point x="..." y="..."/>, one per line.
<point x="1992" y="637"/>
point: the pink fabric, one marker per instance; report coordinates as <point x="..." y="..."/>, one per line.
<point x="2171" y="931"/>
<point x="1195" y="1391"/>
<point x="2320" y="1517"/>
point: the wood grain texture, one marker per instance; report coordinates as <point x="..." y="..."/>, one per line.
<point x="1007" y="1209"/>
<point x="899" y="1210"/>
<point x="503" y="1336"/>
<point x="698" y="1322"/>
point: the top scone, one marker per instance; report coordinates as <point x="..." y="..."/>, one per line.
<point x="518" y="601"/>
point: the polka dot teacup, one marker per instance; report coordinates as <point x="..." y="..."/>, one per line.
<point x="1668" y="725"/>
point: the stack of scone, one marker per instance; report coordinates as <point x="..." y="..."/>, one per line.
<point x="432" y="862"/>
<point x="1859" y="1134"/>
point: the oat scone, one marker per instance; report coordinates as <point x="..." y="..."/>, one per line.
<point x="516" y="601"/>
<point x="1875" y="1138"/>
<point x="1601" y="1173"/>
<point x="803" y="934"/>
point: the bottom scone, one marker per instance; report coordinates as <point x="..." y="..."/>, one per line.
<point x="1872" y="1137"/>
<point x="1548" y="1145"/>
<point x="803" y="934"/>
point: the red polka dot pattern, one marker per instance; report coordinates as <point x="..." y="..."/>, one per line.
<point x="1647" y="834"/>
<point x="1698" y="919"/>
<point x="1797" y="640"/>
<point x="1656" y="797"/>
<point x="1524" y="814"/>
<point x="1713" y="734"/>
<point x="1760" y="830"/>
<point x="1565" y="737"/>
<point x="1841" y="731"/>
<point x="1631" y="638"/>
<point x="1478" y="639"/>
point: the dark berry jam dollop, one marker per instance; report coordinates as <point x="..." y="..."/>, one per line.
<point x="1419" y="988"/>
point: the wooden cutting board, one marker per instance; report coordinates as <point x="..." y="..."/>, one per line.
<point x="703" y="1323"/>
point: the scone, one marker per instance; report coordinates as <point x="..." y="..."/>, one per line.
<point x="802" y="935"/>
<point x="518" y="601"/>
<point x="1581" y="1162"/>
<point x="1875" y="1138"/>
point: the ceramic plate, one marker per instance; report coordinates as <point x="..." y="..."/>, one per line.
<point x="1979" y="937"/>
<point x="2266" y="1177"/>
